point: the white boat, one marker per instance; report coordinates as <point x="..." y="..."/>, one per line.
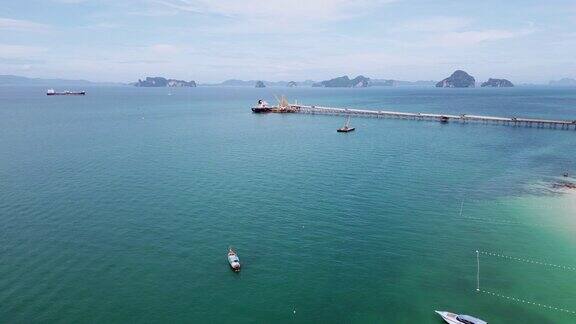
<point x="452" y="318"/>
<point x="233" y="260"/>
<point x="346" y="128"/>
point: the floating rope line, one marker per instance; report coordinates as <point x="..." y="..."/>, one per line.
<point x="506" y="222"/>
<point x="503" y="256"/>
<point x="499" y="221"/>
<point x="520" y="300"/>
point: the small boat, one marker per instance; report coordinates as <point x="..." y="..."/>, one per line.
<point x="346" y="128"/>
<point x="233" y="260"/>
<point x="444" y="119"/>
<point x="51" y="92"/>
<point x="452" y="318"/>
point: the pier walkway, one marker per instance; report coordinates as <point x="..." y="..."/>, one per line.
<point x="511" y="121"/>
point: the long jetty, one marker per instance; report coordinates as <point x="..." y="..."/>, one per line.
<point x="464" y="118"/>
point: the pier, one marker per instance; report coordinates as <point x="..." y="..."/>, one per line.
<point x="464" y="118"/>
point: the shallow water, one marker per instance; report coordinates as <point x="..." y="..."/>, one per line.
<point x="119" y="206"/>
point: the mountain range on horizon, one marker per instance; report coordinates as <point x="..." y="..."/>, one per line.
<point x="14" y="80"/>
<point x="252" y="83"/>
<point x="564" y="82"/>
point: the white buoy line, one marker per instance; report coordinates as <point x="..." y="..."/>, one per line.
<point x="516" y="299"/>
<point x="517" y="259"/>
<point x="528" y="302"/>
<point x="499" y="221"/>
<point x="531" y="261"/>
<point x="505" y="222"/>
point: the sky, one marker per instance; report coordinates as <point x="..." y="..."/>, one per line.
<point x="525" y="41"/>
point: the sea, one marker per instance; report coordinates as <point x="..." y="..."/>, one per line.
<point x="120" y="206"/>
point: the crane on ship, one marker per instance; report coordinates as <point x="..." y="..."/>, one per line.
<point x="284" y="105"/>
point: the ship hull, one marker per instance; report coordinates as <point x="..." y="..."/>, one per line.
<point x="345" y="130"/>
<point x="261" y="110"/>
<point x="82" y="93"/>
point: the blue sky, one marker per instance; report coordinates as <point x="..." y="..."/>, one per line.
<point x="211" y="40"/>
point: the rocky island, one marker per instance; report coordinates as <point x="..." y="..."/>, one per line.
<point x="163" y="82"/>
<point x="497" y="83"/>
<point x="565" y="82"/>
<point x="458" y="79"/>
<point x="383" y="83"/>
<point x="260" y="84"/>
<point x="344" y="82"/>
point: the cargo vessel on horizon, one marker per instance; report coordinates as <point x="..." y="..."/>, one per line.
<point x="51" y="92"/>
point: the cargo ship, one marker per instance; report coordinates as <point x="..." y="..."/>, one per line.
<point x="282" y="107"/>
<point x="51" y="92"/>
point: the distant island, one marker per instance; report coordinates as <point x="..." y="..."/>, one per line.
<point x="252" y="83"/>
<point x="260" y="84"/>
<point x="159" y="82"/>
<point x="383" y="83"/>
<point x="236" y="83"/>
<point x="344" y="82"/>
<point x="307" y="83"/>
<point x="565" y="82"/>
<point x="461" y="79"/>
<point x="497" y="83"/>
<point x="399" y="83"/>
<point x="458" y="79"/>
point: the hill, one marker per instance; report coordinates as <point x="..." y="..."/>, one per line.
<point x="344" y="82"/>
<point x="565" y="82"/>
<point x="158" y="82"/>
<point x="497" y="83"/>
<point x="458" y="79"/>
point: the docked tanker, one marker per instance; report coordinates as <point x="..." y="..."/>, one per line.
<point x="283" y="107"/>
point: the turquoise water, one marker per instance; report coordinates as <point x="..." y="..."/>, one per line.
<point x="119" y="207"/>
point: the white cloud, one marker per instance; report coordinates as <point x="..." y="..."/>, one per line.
<point x="104" y="25"/>
<point x="8" y="51"/>
<point x="70" y="1"/>
<point x="210" y="40"/>
<point x="180" y="5"/>
<point x="295" y="11"/>
<point x="153" y="12"/>
<point x="468" y="38"/>
<point x="164" y="49"/>
<point x="271" y="17"/>
<point x="21" y="25"/>
<point x="446" y="31"/>
<point x="434" y="24"/>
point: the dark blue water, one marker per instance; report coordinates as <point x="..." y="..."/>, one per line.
<point x="119" y="206"/>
